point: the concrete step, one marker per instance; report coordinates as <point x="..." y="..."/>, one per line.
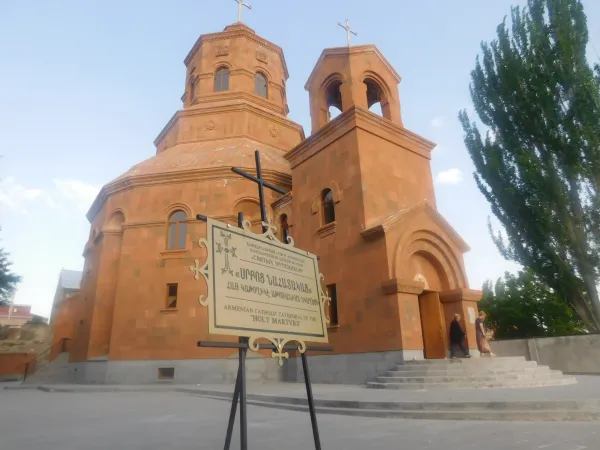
<point x="417" y="371"/>
<point x="588" y="410"/>
<point x="558" y="381"/>
<point x="469" y="378"/>
<point x="471" y="363"/>
<point x="447" y="365"/>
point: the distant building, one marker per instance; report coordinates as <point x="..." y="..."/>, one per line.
<point x="69" y="282"/>
<point x="15" y="315"/>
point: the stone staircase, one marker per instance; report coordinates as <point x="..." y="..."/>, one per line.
<point x="470" y="373"/>
<point x="55" y="372"/>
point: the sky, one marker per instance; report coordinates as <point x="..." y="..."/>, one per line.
<point x="86" y="86"/>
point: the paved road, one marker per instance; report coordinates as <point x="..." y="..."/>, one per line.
<point x="36" y="420"/>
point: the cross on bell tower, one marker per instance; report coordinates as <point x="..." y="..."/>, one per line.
<point x="349" y="31"/>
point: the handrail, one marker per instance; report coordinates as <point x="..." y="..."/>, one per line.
<point x="44" y="358"/>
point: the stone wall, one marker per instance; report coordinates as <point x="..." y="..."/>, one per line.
<point x="569" y="354"/>
<point x="12" y="365"/>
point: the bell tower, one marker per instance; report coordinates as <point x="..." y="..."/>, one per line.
<point x="384" y="167"/>
<point x="352" y="76"/>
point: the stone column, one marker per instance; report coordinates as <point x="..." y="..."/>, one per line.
<point x="411" y="333"/>
<point x="463" y="302"/>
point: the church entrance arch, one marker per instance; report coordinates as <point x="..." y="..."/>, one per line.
<point x="428" y="270"/>
<point x="426" y="258"/>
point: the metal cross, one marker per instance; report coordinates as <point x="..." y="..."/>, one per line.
<point x="348" y="30"/>
<point x="241" y="5"/>
<point x="258" y="179"/>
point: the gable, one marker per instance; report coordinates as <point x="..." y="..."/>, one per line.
<point x="403" y="215"/>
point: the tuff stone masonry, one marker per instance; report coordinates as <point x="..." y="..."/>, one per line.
<point x="360" y="196"/>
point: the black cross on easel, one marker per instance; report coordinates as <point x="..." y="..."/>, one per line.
<point x="258" y="179"/>
<point x="239" y="393"/>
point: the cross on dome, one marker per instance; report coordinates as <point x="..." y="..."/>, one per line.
<point x="241" y="5"/>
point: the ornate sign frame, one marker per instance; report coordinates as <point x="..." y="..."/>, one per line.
<point x="217" y="244"/>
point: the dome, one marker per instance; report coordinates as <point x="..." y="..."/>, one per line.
<point x="238" y="152"/>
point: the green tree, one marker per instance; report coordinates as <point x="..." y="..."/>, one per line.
<point x="522" y="306"/>
<point x="539" y="163"/>
<point x="8" y="280"/>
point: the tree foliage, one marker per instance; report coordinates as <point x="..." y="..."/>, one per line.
<point x="539" y="164"/>
<point x="522" y="306"/>
<point x="8" y="280"/>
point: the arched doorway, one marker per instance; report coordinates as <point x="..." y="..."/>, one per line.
<point x="427" y="270"/>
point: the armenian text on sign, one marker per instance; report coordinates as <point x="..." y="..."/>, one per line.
<point x="259" y="287"/>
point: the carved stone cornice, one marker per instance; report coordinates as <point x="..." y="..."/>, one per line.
<point x="310" y="146"/>
<point x="354" y="50"/>
<point x="395" y="286"/>
<point x="235" y="31"/>
<point x="357" y="117"/>
<point x="204" y="174"/>
<point x="458" y="295"/>
<point x="282" y="202"/>
<point x="207" y="107"/>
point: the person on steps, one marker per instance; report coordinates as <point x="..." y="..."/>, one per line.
<point x="457" y="338"/>
<point x="483" y="344"/>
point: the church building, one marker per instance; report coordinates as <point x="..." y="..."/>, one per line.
<point x="360" y="196"/>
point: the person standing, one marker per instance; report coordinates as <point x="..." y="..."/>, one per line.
<point x="457" y="338"/>
<point x="483" y="344"/>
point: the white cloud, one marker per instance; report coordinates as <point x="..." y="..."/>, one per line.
<point x="450" y="176"/>
<point x="80" y="192"/>
<point x="437" y="122"/>
<point x="20" y="198"/>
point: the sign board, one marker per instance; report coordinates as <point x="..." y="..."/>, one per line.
<point x="259" y="287"/>
<point x="471" y="312"/>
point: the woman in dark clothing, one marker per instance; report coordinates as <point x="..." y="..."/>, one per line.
<point x="457" y="337"/>
<point x="483" y="345"/>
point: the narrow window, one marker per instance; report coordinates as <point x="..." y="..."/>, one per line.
<point x="171" y="295"/>
<point x="166" y="373"/>
<point x="283" y="224"/>
<point x="177" y="230"/>
<point x="192" y="90"/>
<point x="260" y="84"/>
<point x="328" y="207"/>
<point x="222" y="79"/>
<point x="333" y="306"/>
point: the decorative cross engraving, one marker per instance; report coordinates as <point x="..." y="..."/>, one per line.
<point x="348" y="30"/>
<point x="197" y="269"/>
<point x="224" y="248"/>
<point x="241" y="5"/>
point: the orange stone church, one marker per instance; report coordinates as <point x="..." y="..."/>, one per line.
<point x="361" y="197"/>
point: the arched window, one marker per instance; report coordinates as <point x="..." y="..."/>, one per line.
<point x="328" y="206"/>
<point x="376" y="99"/>
<point x="177" y="230"/>
<point x="334" y="99"/>
<point x="283" y="225"/>
<point x="222" y="79"/>
<point x="260" y="84"/>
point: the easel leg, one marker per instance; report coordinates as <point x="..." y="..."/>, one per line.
<point x="311" y="403"/>
<point x="232" y="413"/>
<point x="243" y="418"/>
